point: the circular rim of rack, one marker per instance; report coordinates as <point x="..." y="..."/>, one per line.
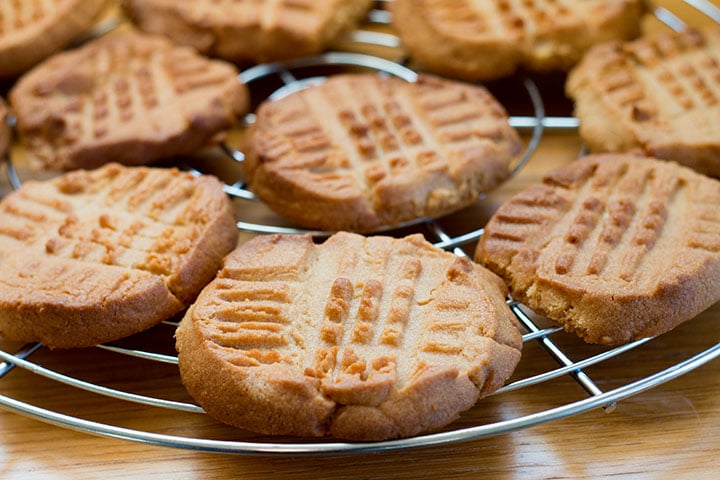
<point x="596" y="399"/>
<point x="428" y="440"/>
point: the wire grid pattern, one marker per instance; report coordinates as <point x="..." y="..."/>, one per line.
<point x="545" y="336"/>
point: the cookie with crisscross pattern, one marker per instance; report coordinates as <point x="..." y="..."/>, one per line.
<point x="612" y="247"/>
<point x="659" y="94"/>
<point x="127" y="97"/>
<point x="31" y="30"/>
<point x="361" y="151"/>
<point x="92" y="256"/>
<point x="489" y="39"/>
<point x="358" y="338"/>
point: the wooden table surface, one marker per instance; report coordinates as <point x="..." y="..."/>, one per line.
<point x="669" y="431"/>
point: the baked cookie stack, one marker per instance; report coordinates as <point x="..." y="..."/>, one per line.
<point x="362" y="336"/>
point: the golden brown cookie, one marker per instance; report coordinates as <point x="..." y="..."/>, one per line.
<point x="613" y="247"/>
<point x="659" y="94"/>
<point x="129" y="98"/>
<point x="361" y="151"/>
<point x="358" y="338"/>
<point x="32" y="30"/>
<point x="489" y="39"/>
<point x="249" y="30"/>
<point x="93" y="256"/>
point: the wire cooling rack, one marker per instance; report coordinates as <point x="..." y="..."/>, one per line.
<point x="143" y="353"/>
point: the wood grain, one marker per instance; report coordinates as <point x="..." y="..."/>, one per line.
<point x="670" y="431"/>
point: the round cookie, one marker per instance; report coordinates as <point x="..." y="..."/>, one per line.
<point x="483" y="40"/>
<point x="249" y="30"/>
<point x="359" y="338"/>
<point x="32" y="30"/>
<point x="129" y="98"/>
<point x="360" y="152"/>
<point x="612" y="247"/>
<point x="659" y="95"/>
<point x="93" y="256"/>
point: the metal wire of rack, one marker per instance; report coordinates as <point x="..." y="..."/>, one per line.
<point x="536" y="330"/>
